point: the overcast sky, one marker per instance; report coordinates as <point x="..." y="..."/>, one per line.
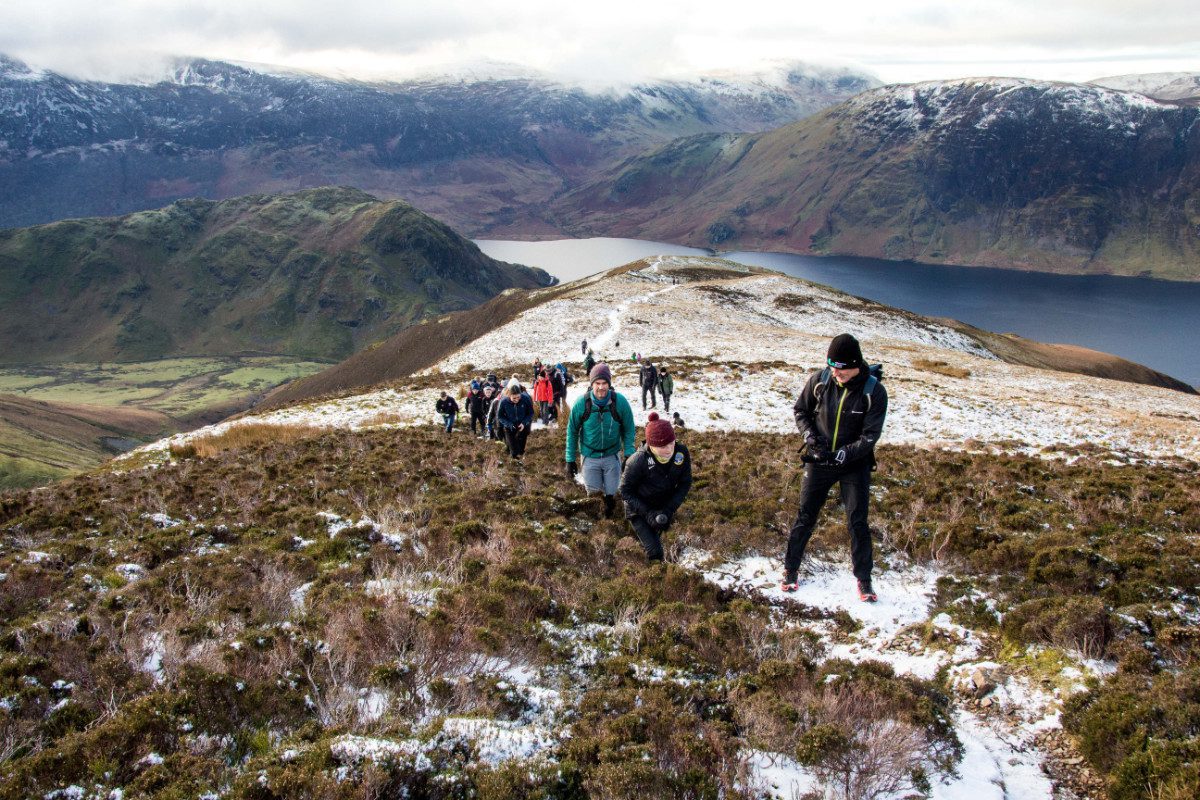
<point x="611" y="41"/>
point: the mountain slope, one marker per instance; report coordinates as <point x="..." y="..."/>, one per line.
<point x="469" y="151"/>
<point x="1004" y="173"/>
<point x="316" y="274"/>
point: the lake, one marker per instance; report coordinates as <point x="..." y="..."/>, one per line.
<point x="1148" y="321"/>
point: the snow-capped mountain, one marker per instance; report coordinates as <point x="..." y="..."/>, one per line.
<point x="465" y="148"/>
<point x="994" y="172"/>
<point x="1170" y="86"/>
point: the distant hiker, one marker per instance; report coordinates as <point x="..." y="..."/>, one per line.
<point x="447" y="406"/>
<point x="493" y="423"/>
<point x="543" y="395"/>
<point x="583" y="347"/>
<point x="648" y="378"/>
<point x="477" y="403"/>
<point x="515" y="416"/>
<point x="559" y="380"/>
<point x="840" y="414"/>
<point x="655" y="484"/>
<point x="601" y="429"/>
<point x="494" y="382"/>
<point x="677" y="421"/>
<point x="537" y="368"/>
<point x="666" y="387"/>
<point x="589" y="361"/>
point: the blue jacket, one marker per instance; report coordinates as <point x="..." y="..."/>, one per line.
<point x="511" y="414"/>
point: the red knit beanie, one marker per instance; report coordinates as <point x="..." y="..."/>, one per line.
<point x="659" y="432"/>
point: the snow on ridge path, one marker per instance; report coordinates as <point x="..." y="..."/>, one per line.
<point x="1000" y="757"/>
<point x="614" y="316"/>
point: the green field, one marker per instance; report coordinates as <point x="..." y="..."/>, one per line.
<point x="92" y="412"/>
<point x="182" y="388"/>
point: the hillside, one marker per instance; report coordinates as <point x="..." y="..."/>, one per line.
<point x="993" y="172"/>
<point x="41" y="442"/>
<point x="336" y="599"/>
<point x="316" y="275"/>
<point x="471" y="150"/>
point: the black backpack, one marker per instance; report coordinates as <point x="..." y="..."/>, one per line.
<point x="874" y="376"/>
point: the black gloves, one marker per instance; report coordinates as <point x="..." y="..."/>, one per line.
<point x="659" y="520"/>
<point x="572" y="469"/>
<point x="818" y="450"/>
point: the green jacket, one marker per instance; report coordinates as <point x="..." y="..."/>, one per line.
<point x="666" y="384"/>
<point x="600" y="435"/>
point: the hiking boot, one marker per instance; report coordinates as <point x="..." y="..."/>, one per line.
<point x="610" y="504"/>
<point x="865" y="592"/>
<point x="790" y="582"/>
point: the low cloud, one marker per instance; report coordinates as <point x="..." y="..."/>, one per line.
<point x="614" y="41"/>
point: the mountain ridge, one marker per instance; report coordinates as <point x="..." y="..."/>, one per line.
<point x="318" y="273"/>
<point x="1006" y="173"/>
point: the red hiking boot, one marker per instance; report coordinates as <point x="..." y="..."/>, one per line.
<point x="790" y="583"/>
<point x="866" y="593"/>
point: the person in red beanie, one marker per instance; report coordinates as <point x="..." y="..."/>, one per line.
<point x="655" y="483"/>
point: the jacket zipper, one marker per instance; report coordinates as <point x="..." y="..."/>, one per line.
<point x="838" y="419"/>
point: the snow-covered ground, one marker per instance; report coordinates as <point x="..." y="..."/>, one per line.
<point x="751" y="342"/>
<point x="744" y="345"/>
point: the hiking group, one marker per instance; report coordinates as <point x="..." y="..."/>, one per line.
<point x="840" y="415"/>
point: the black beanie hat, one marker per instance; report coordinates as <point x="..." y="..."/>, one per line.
<point x="844" y="352"/>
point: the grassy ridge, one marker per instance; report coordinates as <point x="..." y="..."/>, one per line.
<point x="316" y="274"/>
<point x="251" y="687"/>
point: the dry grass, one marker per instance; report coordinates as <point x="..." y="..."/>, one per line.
<point x="941" y="368"/>
<point x="239" y="436"/>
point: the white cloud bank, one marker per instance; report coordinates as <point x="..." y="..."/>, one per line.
<point x="614" y="41"/>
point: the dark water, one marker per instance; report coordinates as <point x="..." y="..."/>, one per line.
<point x="1151" y="322"/>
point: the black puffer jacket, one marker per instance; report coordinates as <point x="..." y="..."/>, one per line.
<point x="648" y="486"/>
<point x="842" y="416"/>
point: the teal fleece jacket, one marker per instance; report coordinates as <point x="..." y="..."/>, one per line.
<point x="600" y="434"/>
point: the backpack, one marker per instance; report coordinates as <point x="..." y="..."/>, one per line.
<point x="589" y="407"/>
<point x="874" y="376"/>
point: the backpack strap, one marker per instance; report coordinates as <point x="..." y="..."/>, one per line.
<point x="588" y="407"/>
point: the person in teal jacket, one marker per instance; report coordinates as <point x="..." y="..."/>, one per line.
<point x="602" y="430"/>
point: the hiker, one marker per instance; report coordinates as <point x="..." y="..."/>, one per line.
<point x="494" y="382"/>
<point x="490" y="398"/>
<point x="648" y="378"/>
<point x="601" y="429"/>
<point x="558" y="382"/>
<point x="477" y="403"/>
<point x="655" y="484"/>
<point x="543" y="395"/>
<point x="840" y="414"/>
<point x="589" y="361"/>
<point x="666" y="386"/>
<point x="493" y="423"/>
<point x="515" y="415"/>
<point x="583" y="347"/>
<point x="447" y="406"/>
<point x="537" y="369"/>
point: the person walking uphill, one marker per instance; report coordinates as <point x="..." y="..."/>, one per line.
<point x="477" y="403"/>
<point x="840" y="414"/>
<point x="666" y="387"/>
<point x="656" y="481"/>
<point x="447" y="406"/>
<point x="601" y="429"/>
<point x="648" y="378"/>
<point x="515" y="415"/>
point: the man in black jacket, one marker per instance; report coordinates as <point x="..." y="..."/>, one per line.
<point x="654" y="485"/>
<point x="648" y="378"/>
<point x="447" y="406"/>
<point x="840" y="414"/>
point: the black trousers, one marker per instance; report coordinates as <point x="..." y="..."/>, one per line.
<point x="666" y="401"/>
<point x="653" y="397"/>
<point x="515" y="441"/>
<point x="650" y="539"/>
<point x="856" y="495"/>
<point x="477" y="419"/>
